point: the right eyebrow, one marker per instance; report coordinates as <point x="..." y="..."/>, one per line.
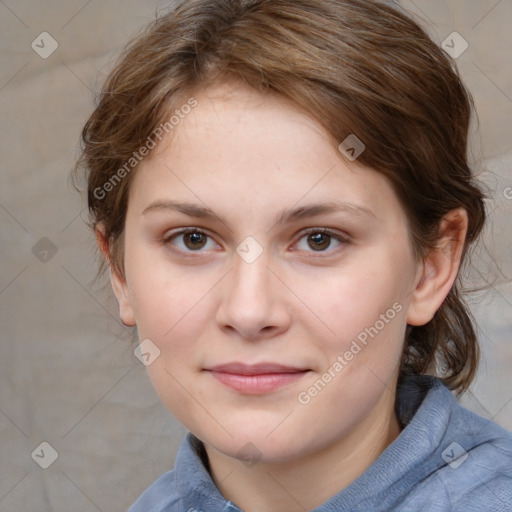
<point x="190" y="209"/>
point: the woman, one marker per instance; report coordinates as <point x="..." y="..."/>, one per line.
<point x="281" y="192"/>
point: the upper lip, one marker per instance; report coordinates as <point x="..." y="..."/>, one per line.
<point x="255" y="369"/>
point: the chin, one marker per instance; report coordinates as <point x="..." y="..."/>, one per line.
<point x="255" y="444"/>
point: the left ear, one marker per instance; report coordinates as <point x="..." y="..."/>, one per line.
<point x="440" y="268"/>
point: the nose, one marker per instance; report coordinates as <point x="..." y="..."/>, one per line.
<point x="254" y="300"/>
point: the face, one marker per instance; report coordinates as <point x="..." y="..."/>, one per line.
<point x="278" y="292"/>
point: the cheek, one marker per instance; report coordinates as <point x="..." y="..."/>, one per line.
<point x="164" y="296"/>
<point x="172" y="311"/>
<point x="367" y="296"/>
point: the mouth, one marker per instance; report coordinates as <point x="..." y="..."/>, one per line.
<point x="258" y="378"/>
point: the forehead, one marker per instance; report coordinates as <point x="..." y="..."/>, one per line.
<point x="260" y="153"/>
<point x="234" y="121"/>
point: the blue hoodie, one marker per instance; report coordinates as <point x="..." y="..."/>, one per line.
<point x="446" y="459"/>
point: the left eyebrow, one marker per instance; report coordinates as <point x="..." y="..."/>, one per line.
<point x="285" y="217"/>
<point x="314" y="210"/>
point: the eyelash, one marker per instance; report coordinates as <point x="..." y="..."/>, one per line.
<point x="324" y="231"/>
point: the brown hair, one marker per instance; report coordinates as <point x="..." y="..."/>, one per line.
<point x="358" y="67"/>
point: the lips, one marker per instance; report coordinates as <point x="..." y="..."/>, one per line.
<point x="258" y="378"/>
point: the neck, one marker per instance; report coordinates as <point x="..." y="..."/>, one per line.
<point x="305" y="483"/>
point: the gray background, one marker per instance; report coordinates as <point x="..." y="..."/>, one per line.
<point x="67" y="369"/>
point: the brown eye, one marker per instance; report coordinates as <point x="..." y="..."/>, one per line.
<point x="192" y="240"/>
<point x="319" y="241"/>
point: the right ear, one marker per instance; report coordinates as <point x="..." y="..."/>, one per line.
<point x="117" y="280"/>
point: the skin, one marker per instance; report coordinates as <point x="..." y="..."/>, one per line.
<point x="248" y="158"/>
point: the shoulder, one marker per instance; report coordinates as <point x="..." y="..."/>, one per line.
<point x="477" y="469"/>
<point x="464" y="461"/>
<point x="478" y="473"/>
<point x="183" y="488"/>
<point x="160" y="496"/>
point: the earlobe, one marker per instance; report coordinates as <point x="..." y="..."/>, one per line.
<point x="117" y="281"/>
<point x="123" y="298"/>
<point x="439" y="269"/>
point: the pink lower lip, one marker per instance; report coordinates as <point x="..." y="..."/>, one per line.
<point x="257" y="384"/>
